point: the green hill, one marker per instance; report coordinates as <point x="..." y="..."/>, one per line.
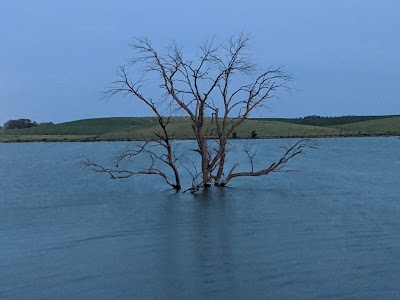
<point x="84" y="127"/>
<point x="143" y="128"/>
<point x="386" y="126"/>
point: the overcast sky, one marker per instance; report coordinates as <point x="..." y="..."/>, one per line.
<point x="56" y="56"/>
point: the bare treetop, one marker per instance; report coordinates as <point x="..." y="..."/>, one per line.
<point x="221" y="84"/>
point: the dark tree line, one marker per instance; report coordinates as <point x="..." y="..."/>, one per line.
<point x="19" y="124"/>
<point x="315" y="120"/>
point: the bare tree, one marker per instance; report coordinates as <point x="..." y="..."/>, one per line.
<point x="217" y="91"/>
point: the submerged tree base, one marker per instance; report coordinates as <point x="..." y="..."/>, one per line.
<point x="137" y="150"/>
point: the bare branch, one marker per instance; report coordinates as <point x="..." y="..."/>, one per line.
<point x="120" y="174"/>
<point x="248" y="149"/>
<point x="218" y="90"/>
<point x="291" y="151"/>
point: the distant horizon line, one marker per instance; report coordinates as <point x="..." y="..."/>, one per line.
<point x="147" y="116"/>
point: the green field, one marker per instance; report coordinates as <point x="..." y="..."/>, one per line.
<point x="143" y="128"/>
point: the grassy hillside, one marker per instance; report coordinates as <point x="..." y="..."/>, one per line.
<point x="84" y="127"/>
<point x="387" y="126"/>
<point x="109" y="129"/>
<point x="181" y="128"/>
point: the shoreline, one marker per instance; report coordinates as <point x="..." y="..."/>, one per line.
<point x="48" y="139"/>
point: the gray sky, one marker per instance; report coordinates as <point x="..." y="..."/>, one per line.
<point x="56" y="56"/>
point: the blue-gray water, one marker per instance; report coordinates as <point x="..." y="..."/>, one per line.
<point x="330" y="231"/>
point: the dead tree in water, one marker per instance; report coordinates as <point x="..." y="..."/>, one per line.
<point x="217" y="91"/>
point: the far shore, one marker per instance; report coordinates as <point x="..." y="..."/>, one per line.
<point x="50" y="139"/>
<point x="123" y="129"/>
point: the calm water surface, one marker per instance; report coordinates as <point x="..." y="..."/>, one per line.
<point x="330" y="231"/>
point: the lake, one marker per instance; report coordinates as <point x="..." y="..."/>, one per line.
<point x="329" y="231"/>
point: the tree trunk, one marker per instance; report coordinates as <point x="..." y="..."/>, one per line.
<point x="222" y="159"/>
<point x="205" y="164"/>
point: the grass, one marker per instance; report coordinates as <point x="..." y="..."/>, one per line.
<point x="85" y="127"/>
<point x="387" y="126"/>
<point x="143" y="128"/>
<point x="46" y="138"/>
